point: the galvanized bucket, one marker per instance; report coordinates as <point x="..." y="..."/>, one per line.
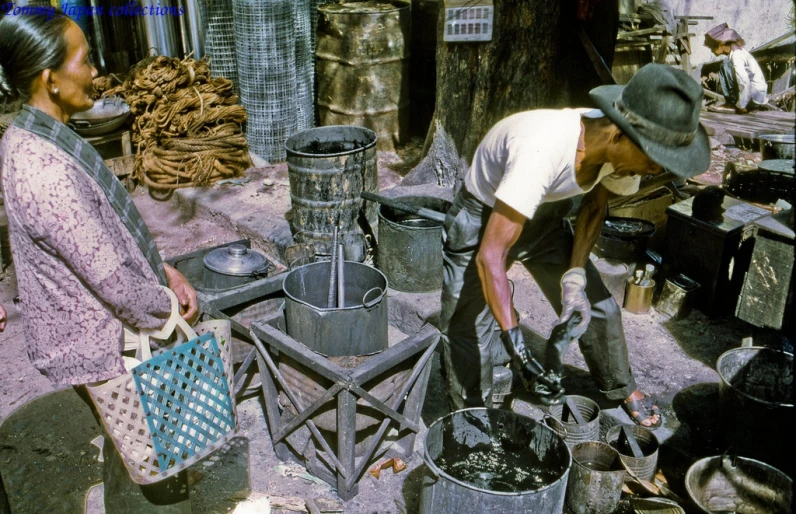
<point x="755" y="397"/>
<point x="358" y="328"/>
<point x="572" y="432"/>
<point x="328" y="167"/>
<point x="362" y="67"/>
<point x="466" y="451"/>
<point x="777" y="146"/>
<point x="738" y="484"/>
<point x="410" y="247"/>
<point x="596" y="478"/>
<point x="643" y="467"/>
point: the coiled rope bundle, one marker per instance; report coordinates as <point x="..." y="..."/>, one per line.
<point x="187" y="124"/>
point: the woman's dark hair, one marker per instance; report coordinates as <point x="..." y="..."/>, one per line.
<point x="30" y="42"/>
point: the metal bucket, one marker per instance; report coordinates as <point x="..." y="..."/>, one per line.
<point x="568" y="429"/>
<point x="738" y="484"/>
<point x="638" y="298"/>
<point x="328" y="167"/>
<point x="643" y="467"/>
<point x="492" y="460"/>
<point x="362" y="67"/>
<point x="359" y="328"/>
<point x="614" y="275"/>
<point x="777" y="146"/>
<point x="624" y="239"/>
<point x="410" y="247"/>
<point x="755" y="398"/>
<point x="596" y="478"/>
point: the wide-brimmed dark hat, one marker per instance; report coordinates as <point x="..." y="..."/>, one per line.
<point x="659" y="111"/>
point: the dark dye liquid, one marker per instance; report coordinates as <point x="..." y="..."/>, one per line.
<point x="330" y="147"/>
<point x="494" y="469"/>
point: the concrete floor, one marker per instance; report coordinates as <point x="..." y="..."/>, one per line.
<point x="672" y="360"/>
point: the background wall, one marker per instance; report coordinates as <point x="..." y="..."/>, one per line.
<point x="757" y="21"/>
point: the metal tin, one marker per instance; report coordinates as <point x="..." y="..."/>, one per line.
<point x="570" y="431"/>
<point x="442" y="493"/>
<point x="677" y="296"/>
<point x="328" y="167"/>
<point x="777" y="146"/>
<point x="410" y="247"/>
<point x="359" y="328"/>
<point x="643" y="467"/>
<point x="714" y="483"/>
<point x="362" y="67"/>
<point x="232" y="266"/>
<point x="596" y="479"/>
<point x="638" y="298"/>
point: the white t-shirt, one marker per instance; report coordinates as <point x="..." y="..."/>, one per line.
<point x="529" y="158"/>
<point x="751" y="81"/>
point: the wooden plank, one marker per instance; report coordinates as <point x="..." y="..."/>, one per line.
<point x="306" y="413"/>
<point x="295" y="350"/>
<point x="271" y="401"/>
<point x="657" y="29"/>
<point x="346" y="444"/>
<point x="397" y="353"/>
<point x="246" y="293"/>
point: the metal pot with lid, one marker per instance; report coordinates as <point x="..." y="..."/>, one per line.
<point x="233" y="266"/>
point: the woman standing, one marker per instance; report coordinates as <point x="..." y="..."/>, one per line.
<point x="86" y="263"/>
<point x="742" y="81"/>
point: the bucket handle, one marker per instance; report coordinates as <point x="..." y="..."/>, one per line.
<point x="430" y="468"/>
<point x="374" y="301"/>
<point x="560" y="424"/>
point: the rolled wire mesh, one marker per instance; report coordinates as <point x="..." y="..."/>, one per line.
<point x="218" y="23"/>
<point x="305" y="64"/>
<point x="266" y="56"/>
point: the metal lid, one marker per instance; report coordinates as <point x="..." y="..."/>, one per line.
<point x="235" y="260"/>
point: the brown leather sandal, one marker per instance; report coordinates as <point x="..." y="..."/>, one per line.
<point x="642" y="409"/>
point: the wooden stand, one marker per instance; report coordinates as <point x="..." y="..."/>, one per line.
<point x="342" y="462"/>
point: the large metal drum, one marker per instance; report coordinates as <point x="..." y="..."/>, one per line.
<point x="328" y="168"/>
<point x="492" y="460"/>
<point x="756" y="400"/>
<point x="410" y="247"/>
<point x="362" y="67"/>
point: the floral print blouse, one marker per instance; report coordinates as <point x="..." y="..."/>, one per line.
<point x="81" y="274"/>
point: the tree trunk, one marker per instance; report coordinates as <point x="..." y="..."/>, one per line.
<point x="535" y="60"/>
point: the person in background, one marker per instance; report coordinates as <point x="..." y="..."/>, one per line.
<point x="86" y="262"/>
<point x="742" y="81"/>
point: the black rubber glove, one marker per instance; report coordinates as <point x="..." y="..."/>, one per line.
<point x="514" y="342"/>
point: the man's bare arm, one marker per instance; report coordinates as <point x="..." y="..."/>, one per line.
<point x="591" y="216"/>
<point x="502" y="231"/>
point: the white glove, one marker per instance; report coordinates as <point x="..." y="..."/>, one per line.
<point x="573" y="298"/>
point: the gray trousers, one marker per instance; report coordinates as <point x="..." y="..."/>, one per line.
<point x="468" y="328"/>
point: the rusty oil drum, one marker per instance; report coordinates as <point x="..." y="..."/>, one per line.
<point x="328" y="167"/>
<point x="362" y="67"/>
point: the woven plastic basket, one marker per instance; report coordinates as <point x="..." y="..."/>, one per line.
<point x="181" y="409"/>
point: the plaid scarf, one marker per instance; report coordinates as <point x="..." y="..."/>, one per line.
<point x="44" y="125"/>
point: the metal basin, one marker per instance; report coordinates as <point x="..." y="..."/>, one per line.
<point x="777" y="146"/>
<point x="107" y="115"/>
<point x="727" y="484"/>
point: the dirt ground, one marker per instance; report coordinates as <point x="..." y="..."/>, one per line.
<point x="672" y="360"/>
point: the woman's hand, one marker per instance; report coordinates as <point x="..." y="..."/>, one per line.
<point x="3" y="318"/>
<point x="189" y="307"/>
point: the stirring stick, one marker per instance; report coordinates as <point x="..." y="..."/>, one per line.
<point x="574" y="411"/>
<point x="632" y="442"/>
<point x="340" y="278"/>
<point x="332" y="272"/>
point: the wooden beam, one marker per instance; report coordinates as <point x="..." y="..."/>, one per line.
<point x="602" y="69"/>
